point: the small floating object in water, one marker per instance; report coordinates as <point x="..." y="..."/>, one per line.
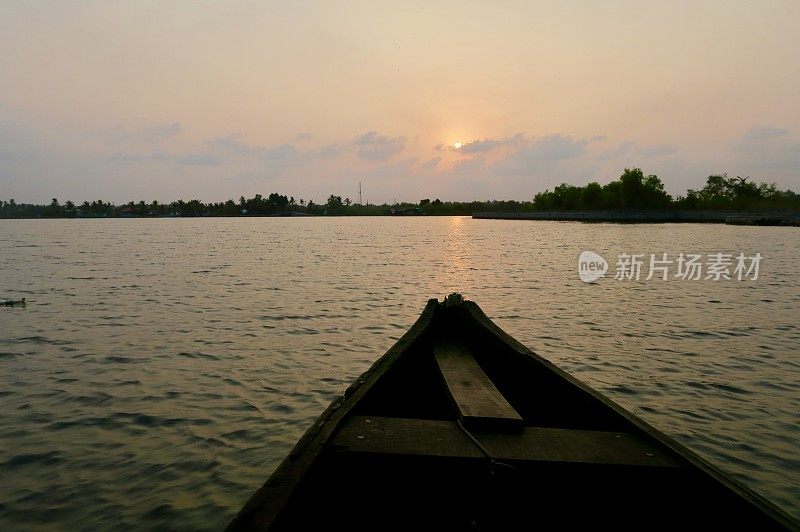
<point x="12" y="302"/>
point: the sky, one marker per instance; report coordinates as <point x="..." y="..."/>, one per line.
<point x="464" y="100"/>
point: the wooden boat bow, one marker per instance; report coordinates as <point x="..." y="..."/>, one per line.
<point x="461" y="427"/>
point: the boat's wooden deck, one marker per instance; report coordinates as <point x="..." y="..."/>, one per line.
<point x="393" y="436"/>
<point x="476" y="400"/>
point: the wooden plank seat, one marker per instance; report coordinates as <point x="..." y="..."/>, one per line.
<point x="437" y="438"/>
<point x="479" y="404"/>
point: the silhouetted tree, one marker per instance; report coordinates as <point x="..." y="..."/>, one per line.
<point x="333" y="205"/>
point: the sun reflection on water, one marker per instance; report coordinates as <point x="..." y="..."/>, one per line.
<point x="457" y="275"/>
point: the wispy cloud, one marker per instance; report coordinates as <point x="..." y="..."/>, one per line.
<point x="372" y="146"/>
<point x="765" y="133"/>
<point x="136" y="157"/>
<point x="431" y="164"/>
<point x="768" y="153"/>
<point x="198" y="159"/>
<point x="281" y="152"/>
<point x="540" y="153"/>
<point x="330" y="151"/>
<point x="165" y="159"/>
<point x="486" y="145"/>
<point x="162" y="132"/>
<point x="230" y="144"/>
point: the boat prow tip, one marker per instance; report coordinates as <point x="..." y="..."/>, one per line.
<point x="453" y="300"/>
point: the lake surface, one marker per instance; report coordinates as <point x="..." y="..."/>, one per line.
<point x="163" y="367"/>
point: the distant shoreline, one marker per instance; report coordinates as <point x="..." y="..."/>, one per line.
<point x="632" y="216"/>
<point x="660" y="216"/>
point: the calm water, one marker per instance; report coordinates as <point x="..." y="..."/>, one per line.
<point x="164" y="367"/>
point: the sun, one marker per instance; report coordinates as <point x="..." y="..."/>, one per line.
<point x="457" y="145"/>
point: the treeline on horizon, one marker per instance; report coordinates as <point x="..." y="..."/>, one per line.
<point x="632" y="191"/>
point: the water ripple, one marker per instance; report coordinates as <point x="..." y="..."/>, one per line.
<point x="164" y="367"/>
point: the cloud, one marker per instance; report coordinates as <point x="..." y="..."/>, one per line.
<point x="397" y="170"/>
<point x="136" y="157"/>
<point x="230" y="144"/>
<point x="162" y="132"/>
<point x="301" y="137"/>
<point x="472" y="166"/>
<point x="623" y="149"/>
<point x="541" y="153"/>
<point x="330" y="150"/>
<point x="767" y="153"/>
<point x="765" y="133"/>
<point x="371" y="146"/>
<point x="486" y="145"/>
<point x="198" y="159"/>
<point x="280" y="152"/>
<point x="431" y="164"/>
<point x="233" y="148"/>
<point x="39" y="160"/>
<point x="556" y="147"/>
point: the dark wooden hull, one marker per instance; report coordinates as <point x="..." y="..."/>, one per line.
<point x="390" y="453"/>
